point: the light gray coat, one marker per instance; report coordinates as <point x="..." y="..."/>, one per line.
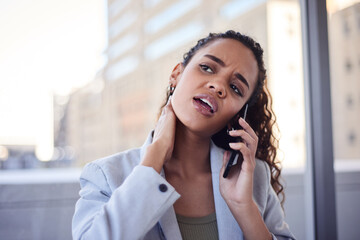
<point x="119" y="199"/>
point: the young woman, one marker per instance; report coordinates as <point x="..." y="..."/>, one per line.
<point x="173" y="187"/>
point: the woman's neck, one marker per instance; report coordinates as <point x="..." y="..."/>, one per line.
<point x="191" y="154"/>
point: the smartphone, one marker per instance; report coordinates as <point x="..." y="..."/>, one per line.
<point x="235" y="156"/>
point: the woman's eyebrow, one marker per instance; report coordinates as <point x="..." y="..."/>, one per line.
<point x="243" y="79"/>
<point x="218" y="60"/>
<point x="221" y="62"/>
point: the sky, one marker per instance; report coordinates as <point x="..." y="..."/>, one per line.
<point x="46" y="47"/>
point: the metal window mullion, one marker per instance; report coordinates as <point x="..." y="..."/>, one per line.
<point x="317" y="89"/>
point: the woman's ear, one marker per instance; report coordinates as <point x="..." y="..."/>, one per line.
<point x="176" y="72"/>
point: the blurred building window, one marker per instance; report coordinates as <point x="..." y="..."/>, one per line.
<point x="352" y="138"/>
<point x="125" y="21"/>
<point x="122" y="45"/>
<point x="348" y="65"/>
<point x="236" y="8"/>
<point x="173" y="40"/>
<point x="121" y="68"/>
<point x="169" y="15"/>
<point x="117" y="6"/>
<point x="349" y="101"/>
<point x="346" y="27"/>
<point x="151" y="3"/>
<point x="344" y="53"/>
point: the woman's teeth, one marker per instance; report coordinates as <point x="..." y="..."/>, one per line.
<point x="207" y="103"/>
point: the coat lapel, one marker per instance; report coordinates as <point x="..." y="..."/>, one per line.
<point x="227" y="226"/>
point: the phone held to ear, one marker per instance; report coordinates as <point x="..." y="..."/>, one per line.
<point x="236" y="156"/>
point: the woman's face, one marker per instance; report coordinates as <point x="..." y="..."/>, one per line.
<point x="214" y="86"/>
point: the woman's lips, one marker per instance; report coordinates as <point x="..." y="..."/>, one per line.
<point x="205" y="104"/>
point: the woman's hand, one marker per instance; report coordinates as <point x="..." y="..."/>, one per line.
<point x="237" y="188"/>
<point x="161" y="148"/>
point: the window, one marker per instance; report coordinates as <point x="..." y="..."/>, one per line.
<point x="122" y="23"/>
<point x="348" y="65"/>
<point x="121" y="68"/>
<point x="173" y="40"/>
<point x="122" y="45"/>
<point x="169" y="15"/>
<point x="343" y="22"/>
<point x="151" y="3"/>
<point x="351" y="138"/>
<point x="349" y="101"/>
<point x="237" y="7"/>
<point x="116" y="7"/>
<point x="346" y="27"/>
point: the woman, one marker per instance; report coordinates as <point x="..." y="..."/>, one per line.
<point x="173" y="186"/>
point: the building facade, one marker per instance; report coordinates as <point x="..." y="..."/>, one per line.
<point x="344" y="39"/>
<point x="147" y="38"/>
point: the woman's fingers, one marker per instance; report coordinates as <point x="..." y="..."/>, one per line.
<point x="248" y="140"/>
<point x="242" y="147"/>
<point x="167" y="107"/>
<point x="164" y="133"/>
<point x="248" y="129"/>
<point x="248" y="145"/>
<point x="247" y="135"/>
<point x="166" y="123"/>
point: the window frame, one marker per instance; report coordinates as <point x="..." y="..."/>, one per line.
<point x="319" y="175"/>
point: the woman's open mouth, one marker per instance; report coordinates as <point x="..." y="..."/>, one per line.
<point x="205" y="104"/>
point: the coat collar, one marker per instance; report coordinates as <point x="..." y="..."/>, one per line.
<point x="228" y="228"/>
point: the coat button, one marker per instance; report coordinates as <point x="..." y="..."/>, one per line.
<point x="163" y="187"/>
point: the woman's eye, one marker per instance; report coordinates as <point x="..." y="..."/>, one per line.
<point x="236" y="90"/>
<point x="206" y="68"/>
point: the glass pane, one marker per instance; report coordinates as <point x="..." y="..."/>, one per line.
<point x="134" y="98"/>
<point x="115" y="104"/>
<point x="344" y="51"/>
<point x="46" y="51"/>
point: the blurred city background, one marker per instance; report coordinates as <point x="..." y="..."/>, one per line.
<point x="84" y="79"/>
<point x="80" y="80"/>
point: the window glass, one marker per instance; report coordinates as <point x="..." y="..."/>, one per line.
<point x="117" y="6"/>
<point x="344" y="50"/>
<point x="121" y="68"/>
<point x="169" y="15"/>
<point x="122" y="23"/>
<point x="122" y="45"/>
<point x="173" y="40"/>
<point x="116" y="107"/>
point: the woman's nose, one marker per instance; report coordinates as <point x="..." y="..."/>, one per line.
<point x="218" y="87"/>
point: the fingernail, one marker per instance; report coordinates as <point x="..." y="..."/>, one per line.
<point x="232" y="144"/>
<point x="231" y="132"/>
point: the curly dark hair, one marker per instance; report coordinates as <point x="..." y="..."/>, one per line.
<point x="260" y="115"/>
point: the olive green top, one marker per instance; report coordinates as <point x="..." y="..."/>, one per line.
<point x="198" y="228"/>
